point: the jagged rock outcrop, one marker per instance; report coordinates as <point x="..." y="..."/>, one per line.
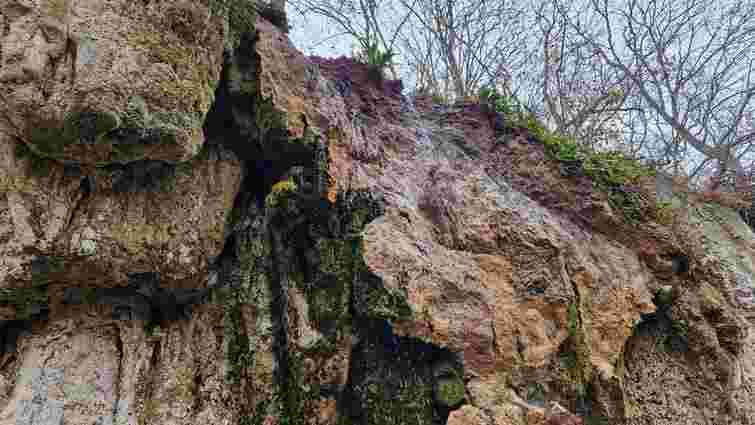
<point x="318" y="249"/>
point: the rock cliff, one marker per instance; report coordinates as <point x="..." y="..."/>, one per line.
<point x="200" y="225"/>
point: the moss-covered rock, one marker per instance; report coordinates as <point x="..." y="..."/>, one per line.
<point x="26" y="301"/>
<point x="279" y="194"/>
<point x="450" y="391"/>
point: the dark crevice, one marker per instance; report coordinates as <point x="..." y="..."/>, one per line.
<point x="680" y="264"/>
<point x="196" y="390"/>
<point x="140" y="176"/>
<point x="279" y="310"/>
<point x="86" y="187"/>
<point x="10" y="331"/>
<point x="117" y="379"/>
<point x="143" y="299"/>
<point x="388" y="373"/>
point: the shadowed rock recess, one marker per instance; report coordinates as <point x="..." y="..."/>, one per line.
<point x="208" y="227"/>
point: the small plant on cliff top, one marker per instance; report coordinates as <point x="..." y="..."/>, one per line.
<point x="375" y="58"/>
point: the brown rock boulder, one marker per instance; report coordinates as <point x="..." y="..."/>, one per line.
<point x="97" y="82"/>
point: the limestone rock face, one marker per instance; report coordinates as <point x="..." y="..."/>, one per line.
<point x="92" y="82"/>
<point x="335" y="253"/>
<point x="97" y="226"/>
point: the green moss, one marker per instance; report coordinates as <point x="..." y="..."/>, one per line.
<point x="240" y="348"/>
<point x="680" y="328"/>
<point x="608" y="170"/>
<point x="149" y="412"/>
<point x="294" y="395"/>
<point x="185" y="384"/>
<point x="388" y="304"/>
<point x="239" y="355"/>
<point x="451" y="391"/>
<point x="242" y="81"/>
<point x="128" y="152"/>
<point x="48" y="141"/>
<point x="89" y="295"/>
<point x="310" y="138"/>
<point x="50" y="138"/>
<point x="48" y="265"/>
<point x="240" y="16"/>
<point x="663" y="298"/>
<point x="267" y="117"/>
<point x="629" y="204"/>
<point x="39" y="166"/>
<point x="573" y="320"/>
<point x="679" y="332"/>
<point x="137" y="113"/>
<point x="596" y="420"/>
<point x="25" y="300"/>
<point x="151" y="328"/>
<point x="169" y="124"/>
<point x="535" y="393"/>
<point x="409" y="403"/>
<point x="664" y="212"/>
<point x="279" y="193"/>
<point x="574" y="356"/>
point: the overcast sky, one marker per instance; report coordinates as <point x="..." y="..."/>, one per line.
<point x="313" y="36"/>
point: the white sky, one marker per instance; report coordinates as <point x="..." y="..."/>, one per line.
<point x="313" y="36"/>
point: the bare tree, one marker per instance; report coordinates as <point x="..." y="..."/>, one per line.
<point x="367" y="21"/>
<point x="463" y="43"/>
<point x="582" y="96"/>
<point x="691" y="63"/>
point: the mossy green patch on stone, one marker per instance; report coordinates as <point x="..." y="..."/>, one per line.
<point x="50" y="138"/>
<point x="40" y="275"/>
<point x="240" y="16"/>
<point x="169" y="124"/>
<point x="89" y="295"/>
<point x="388" y="304"/>
<point x="128" y="152"/>
<point x="243" y="82"/>
<point x="137" y="113"/>
<point x="27" y="301"/>
<point x="267" y="117"/>
<point x="410" y="404"/>
<point x="574" y="355"/>
<point x="39" y="166"/>
<point x="48" y="141"/>
<point x="239" y="355"/>
<point x="663" y="297"/>
<point x="450" y="391"/>
<point x="535" y="393"/>
<point x="279" y="193"/>
<point x="96" y="124"/>
<point x="252" y="288"/>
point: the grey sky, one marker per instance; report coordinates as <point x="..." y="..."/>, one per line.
<point x="314" y="36"/>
